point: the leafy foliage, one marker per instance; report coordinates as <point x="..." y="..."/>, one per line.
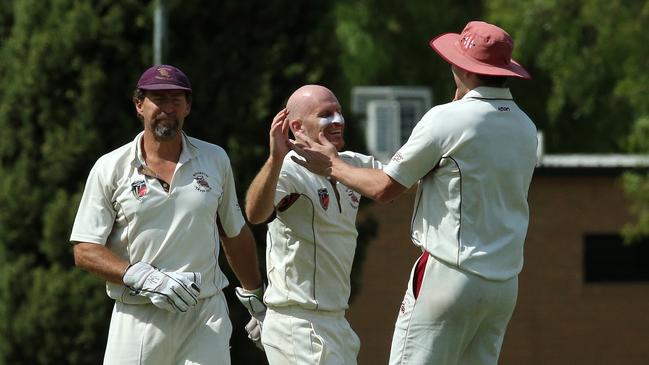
<point x="588" y="67"/>
<point x="67" y="70"/>
<point x="62" y="67"/>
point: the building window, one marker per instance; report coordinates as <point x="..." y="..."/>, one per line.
<point x="608" y="259"/>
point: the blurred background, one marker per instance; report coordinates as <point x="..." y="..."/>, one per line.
<point x="68" y="69"/>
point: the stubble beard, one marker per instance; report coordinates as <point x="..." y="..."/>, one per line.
<point x="165" y="130"/>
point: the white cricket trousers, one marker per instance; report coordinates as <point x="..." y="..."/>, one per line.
<point x="144" y="334"/>
<point x="457" y="318"/>
<point x="296" y="336"/>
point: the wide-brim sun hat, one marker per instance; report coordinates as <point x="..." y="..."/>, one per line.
<point x="164" y="77"/>
<point x="481" y="48"/>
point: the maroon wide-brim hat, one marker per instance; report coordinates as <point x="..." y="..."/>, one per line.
<point x="481" y="48"/>
<point x="164" y="77"/>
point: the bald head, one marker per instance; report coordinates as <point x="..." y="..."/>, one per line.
<point x="314" y="109"/>
<point x="306" y="98"/>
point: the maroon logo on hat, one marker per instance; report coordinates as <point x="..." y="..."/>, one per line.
<point x="164" y="73"/>
<point x="468" y="42"/>
<point x="200" y="182"/>
<point x="323" y="194"/>
<point x="139" y="189"/>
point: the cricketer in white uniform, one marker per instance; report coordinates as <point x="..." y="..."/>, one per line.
<point x="311" y="239"/>
<point x="149" y="223"/>
<point x="473" y="159"/>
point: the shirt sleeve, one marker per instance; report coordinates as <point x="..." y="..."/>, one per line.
<point x="420" y="154"/>
<point x="229" y="211"/>
<point x="286" y="182"/>
<point x="96" y="213"/>
<point x="361" y="160"/>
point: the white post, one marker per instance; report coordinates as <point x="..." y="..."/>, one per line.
<point x="160" y="32"/>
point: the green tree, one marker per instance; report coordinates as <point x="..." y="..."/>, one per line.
<point x="385" y="42"/>
<point x="63" y="65"/>
<point x="593" y="78"/>
<point x="588" y="67"/>
<point x="68" y="69"/>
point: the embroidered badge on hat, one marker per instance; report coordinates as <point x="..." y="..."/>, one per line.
<point x="323" y="194"/>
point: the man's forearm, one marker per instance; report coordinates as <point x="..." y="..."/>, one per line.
<point x="261" y="193"/>
<point x="241" y="253"/>
<point x="99" y="260"/>
<point x="372" y="183"/>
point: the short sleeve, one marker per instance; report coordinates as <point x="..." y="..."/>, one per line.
<point x="96" y="214"/>
<point x="361" y="160"/>
<point x="286" y="182"/>
<point x="229" y="211"/>
<point x="419" y="155"/>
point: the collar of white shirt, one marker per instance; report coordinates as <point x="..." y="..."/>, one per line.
<point x="485" y="92"/>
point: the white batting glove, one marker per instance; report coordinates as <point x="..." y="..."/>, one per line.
<point x="173" y="291"/>
<point x="254" y="332"/>
<point x="253" y="301"/>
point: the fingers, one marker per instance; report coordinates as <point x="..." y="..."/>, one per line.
<point x="286" y="127"/>
<point x="323" y="140"/>
<point x="299" y="161"/>
<point x="280" y="120"/>
<point x="280" y="116"/>
<point x="303" y="138"/>
<point x="299" y="148"/>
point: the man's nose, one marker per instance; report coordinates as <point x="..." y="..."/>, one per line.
<point x="167" y="105"/>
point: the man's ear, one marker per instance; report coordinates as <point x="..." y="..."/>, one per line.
<point x="138" y="106"/>
<point x="296" y="125"/>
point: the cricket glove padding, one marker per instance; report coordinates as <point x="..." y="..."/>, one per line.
<point x="173" y="291"/>
<point x="254" y="302"/>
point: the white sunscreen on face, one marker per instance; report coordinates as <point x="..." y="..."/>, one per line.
<point x="332" y="119"/>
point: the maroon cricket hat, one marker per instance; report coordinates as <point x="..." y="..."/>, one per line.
<point x="163" y="77"/>
<point x="482" y="48"/>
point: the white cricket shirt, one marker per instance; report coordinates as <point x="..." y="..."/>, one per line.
<point x="132" y="215"/>
<point x="474" y="160"/>
<point x="310" y="245"/>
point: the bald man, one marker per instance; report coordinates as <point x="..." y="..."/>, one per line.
<point x="311" y="238"/>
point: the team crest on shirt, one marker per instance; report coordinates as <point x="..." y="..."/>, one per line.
<point x="139" y="189"/>
<point x="353" y="198"/>
<point x="200" y="182"/>
<point x="323" y="194"/>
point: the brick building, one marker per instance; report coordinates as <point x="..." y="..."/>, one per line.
<point x="583" y="294"/>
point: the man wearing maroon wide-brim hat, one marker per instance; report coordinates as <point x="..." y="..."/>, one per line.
<point x="473" y="160"/>
<point x="152" y="218"/>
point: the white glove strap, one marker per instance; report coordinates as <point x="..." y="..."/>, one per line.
<point x="253" y="301"/>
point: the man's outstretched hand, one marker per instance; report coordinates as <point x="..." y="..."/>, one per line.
<point x="317" y="156"/>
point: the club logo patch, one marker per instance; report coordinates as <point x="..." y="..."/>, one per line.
<point x="139" y="189"/>
<point x="323" y="194"/>
<point x="353" y="197"/>
<point x="200" y="182"/>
